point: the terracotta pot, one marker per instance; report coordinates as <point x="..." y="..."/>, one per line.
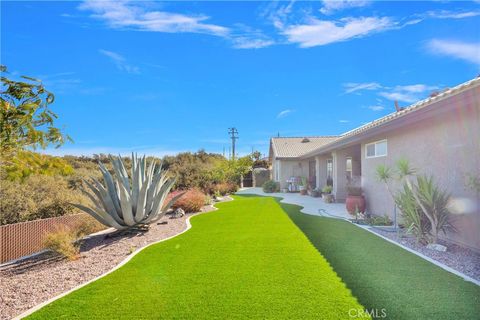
<point x="354" y="202"/>
<point x="303" y="192"/>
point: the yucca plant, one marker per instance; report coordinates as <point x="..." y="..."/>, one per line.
<point x="124" y="202"/>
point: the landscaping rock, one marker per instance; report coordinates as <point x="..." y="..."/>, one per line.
<point x="438" y="247"/>
<point x="178" y="213"/>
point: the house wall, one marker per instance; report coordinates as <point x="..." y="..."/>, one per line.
<point x="447" y="147"/>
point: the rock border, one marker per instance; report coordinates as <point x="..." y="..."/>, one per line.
<point x="118" y="266"/>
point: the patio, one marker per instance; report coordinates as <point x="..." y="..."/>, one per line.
<point x="311" y="205"/>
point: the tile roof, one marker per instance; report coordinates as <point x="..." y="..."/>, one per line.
<point x="399" y="114"/>
<point x="294" y="147"/>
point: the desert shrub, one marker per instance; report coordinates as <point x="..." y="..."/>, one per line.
<point x="271" y="186"/>
<point x="88" y="226"/>
<point x="192" y="201"/>
<point x="37" y="197"/>
<point x="226" y="188"/>
<point x="63" y="241"/>
<point x="66" y="240"/>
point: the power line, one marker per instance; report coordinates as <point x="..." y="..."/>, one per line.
<point x="233" y="132"/>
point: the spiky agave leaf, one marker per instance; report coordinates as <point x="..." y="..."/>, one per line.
<point x="122" y="201"/>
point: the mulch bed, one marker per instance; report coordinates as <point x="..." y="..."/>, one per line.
<point x="456" y="257"/>
<point x="32" y="281"/>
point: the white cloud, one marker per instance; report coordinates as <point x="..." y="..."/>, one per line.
<point x="284" y="113"/>
<point x="376" y="108"/>
<point x="322" y="32"/>
<point x="330" y="7"/>
<point x="119" y="61"/>
<point x="344" y="121"/>
<point x="444" y="14"/>
<point x="244" y="42"/>
<point x="408" y="93"/>
<point x="139" y="16"/>
<point x="351" y="87"/>
<point x="467" y="51"/>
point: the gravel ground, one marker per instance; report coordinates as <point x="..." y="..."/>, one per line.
<point x="30" y="282"/>
<point x="461" y="259"/>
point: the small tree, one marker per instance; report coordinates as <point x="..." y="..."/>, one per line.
<point x="25" y="118"/>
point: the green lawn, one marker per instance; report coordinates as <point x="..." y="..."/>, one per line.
<point x="246" y="260"/>
<point x="383" y="275"/>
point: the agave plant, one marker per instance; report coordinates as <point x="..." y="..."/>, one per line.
<point x="124" y="202"/>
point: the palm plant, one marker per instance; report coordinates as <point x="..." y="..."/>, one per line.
<point x="124" y="202"/>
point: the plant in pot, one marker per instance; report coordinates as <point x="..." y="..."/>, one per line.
<point x="303" y="186"/>
<point x="316" y="193"/>
<point x="327" y="194"/>
<point x="355" y="202"/>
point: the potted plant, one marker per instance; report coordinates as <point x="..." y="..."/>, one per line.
<point x="303" y="186"/>
<point x="355" y="202"/>
<point x="316" y="193"/>
<point x="327" y="194"/>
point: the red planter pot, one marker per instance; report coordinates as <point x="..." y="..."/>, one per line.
<point x="354" y="202"/>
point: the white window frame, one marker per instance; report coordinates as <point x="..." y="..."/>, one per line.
<point x="351" y="168"/>
<point x="375" y="144"/>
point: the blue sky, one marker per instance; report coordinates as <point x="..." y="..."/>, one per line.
<point x="161" y="78"/>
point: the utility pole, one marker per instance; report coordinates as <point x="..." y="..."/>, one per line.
<point x="233" y="132"/>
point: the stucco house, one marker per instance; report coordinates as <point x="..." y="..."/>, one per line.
<point x="440" y="136"/>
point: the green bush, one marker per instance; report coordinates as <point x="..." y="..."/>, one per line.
<point x="271" y="186"/>
<point x="26" y="163"/>
<point x="37" y="197"/>
<point x="380" y="221"/>
<point x="327" y="189"/>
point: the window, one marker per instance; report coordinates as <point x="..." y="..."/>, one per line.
<point x="376" y="149"/>
<point x="277" y="170"/>
<point x="348" y="169"/>
<point x="330" y="172"/>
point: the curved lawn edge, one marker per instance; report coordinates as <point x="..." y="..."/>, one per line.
<point x="366" y="228"/>
<point x="118" y="266"/>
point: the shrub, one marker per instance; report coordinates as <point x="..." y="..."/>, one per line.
<point x="66" y="240"/>
<point x="327" y="189"/>
<point x="192" y="201"/>
<point x="415" y="221"/>
<point x="271" y="186"/>
<point x="380" y="221"/>
<point x="226" y="188"/>
<point x="37" y="197"/>
<point x="63" y="241"/>
<point x="26" y="163"/>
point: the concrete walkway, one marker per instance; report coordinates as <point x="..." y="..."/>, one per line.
<point x="311" y="205"/>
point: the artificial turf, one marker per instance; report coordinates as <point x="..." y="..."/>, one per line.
<point x="246" y="260"/>
<point x="384" y="276"/>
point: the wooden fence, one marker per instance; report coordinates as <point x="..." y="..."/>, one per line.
<point x="25" y="238"/>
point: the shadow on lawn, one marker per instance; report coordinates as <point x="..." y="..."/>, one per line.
<point x="384" y="276"/>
